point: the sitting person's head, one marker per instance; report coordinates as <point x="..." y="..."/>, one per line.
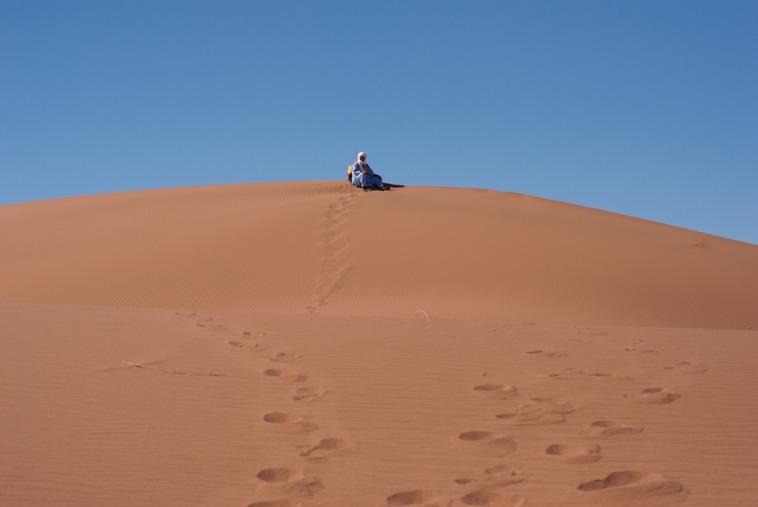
<point x="362" y="158"/>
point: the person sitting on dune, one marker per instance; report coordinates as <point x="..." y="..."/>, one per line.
<point x="364" y="176"/>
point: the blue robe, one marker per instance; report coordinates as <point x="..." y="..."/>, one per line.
<point x="364" y="177"/>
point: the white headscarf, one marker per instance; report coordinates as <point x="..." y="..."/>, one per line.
<point x="358" y="159"/>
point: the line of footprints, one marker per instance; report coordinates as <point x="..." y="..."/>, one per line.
<point x="617" y="488"/>
<point x="285" y="487"/>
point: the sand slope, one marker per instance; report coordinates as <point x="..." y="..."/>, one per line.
<point x="321" y="247"/>
<point x="306" y="345"/>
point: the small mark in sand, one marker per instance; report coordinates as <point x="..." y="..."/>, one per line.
<point x="486" y="496"/>
<point x="290" y="421"/>
<point x="575" y="454"/>
<point x="643" y="351"/>
<point x="540" y="411"/>
<point x="687" y="367"/>
<point x="567" y="374"/>
<point x="495" y="477"/>
<point x="546" y="353"/>
<point x="276" y="474"/>
<point x="286" y="484"/>
<point x="147" y="366"/>
<point x="489" y="443"/>
<point x="635" y="487"/>
<point x="308" y="394"/>
<point x="272" y="503"/>
<point x="324" y="448"/>
<point x="284" y="357"/>
<point x="654" y="395"/>
<point x="288" y="375"/>
<point x="480" y="497"/>
<point x="499" y="391"/>
<point x="412" y="497"/>
<point x="606" y="428"/>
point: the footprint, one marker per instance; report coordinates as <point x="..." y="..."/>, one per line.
<point x="412" y="497"/>
<point x="286" y="485"/>
<point x="489" y="443"/>
<point x="547" y="353"/>
<point x="654" y="395"/>
<point x="235" y="343"/>
<point x="609" y="429"/>
<point x="308" y="394"/>
<point x="276" y="474"/>
<point x="687" y="367"/>
<point x="575" y="454"/>
<point x="499" y="391"/>
<point x="567" y="374"/>
<point x="555" y="405"/>
<point x="498" y="476"/>
<point x="532" y="418"/>
<point x="290" y="421"/>
<point x="324" y="448"/>
<point x="284" y="357"/>
<point x="489" y="497"/>
<point x="614" y="377"/>
<point x="281" y="418"/>
<point x="644" y="351"/>
<point x="288" y="375"/>
<point x="303" y="488"/>
<point x="540" y="411"/>
<point x="634" y="487"/>
<point x="208" y="321"/>
<point x="271" y="503"/>
<point x="480" y="497"/>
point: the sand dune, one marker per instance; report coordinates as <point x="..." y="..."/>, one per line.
<point x="318" y="247"/>
<point x="309" y="345"/>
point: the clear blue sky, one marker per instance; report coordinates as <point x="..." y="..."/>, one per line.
<point x="648" y="108"/>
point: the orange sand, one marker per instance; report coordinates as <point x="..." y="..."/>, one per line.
<point x="308" y="344"/>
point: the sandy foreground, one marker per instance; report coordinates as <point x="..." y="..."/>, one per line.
<point x="304" y="344"/>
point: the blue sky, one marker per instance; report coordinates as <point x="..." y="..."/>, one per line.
<point x="648" y="108"/>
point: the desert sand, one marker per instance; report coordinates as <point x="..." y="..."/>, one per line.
<point x="310" y="344"/>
